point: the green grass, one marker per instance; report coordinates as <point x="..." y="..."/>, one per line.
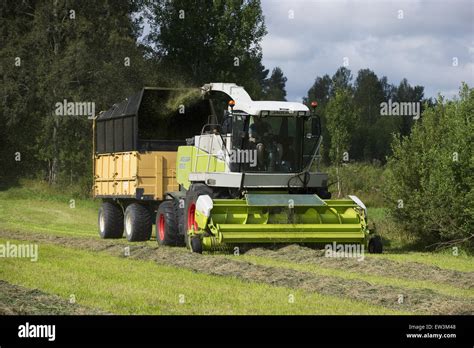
<point x="37" y="208"/>
<point x="361" y="179"/>
<point x="394" y="239"/>
<point x="445" y="260"/>
<point x="40" y="190"/>
<point x="377" y="214"/>
<point x="376" y="280"/>
<point x="397" y="250"/>
<point x="31" y="208"/>
<point x="126" y="286"/>
<point x="49" y="216"/>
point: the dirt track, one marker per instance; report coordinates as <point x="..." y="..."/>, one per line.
<point x="423" y="301"/>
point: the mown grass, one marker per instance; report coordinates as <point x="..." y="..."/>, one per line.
<point x="126" y="286"/>
<point x="377" y="280"/>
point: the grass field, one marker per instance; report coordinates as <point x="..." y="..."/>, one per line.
<point x="74" y="263"/>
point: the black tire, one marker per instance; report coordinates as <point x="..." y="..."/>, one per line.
<point x="137" y="223"/>
<point x="195" y="190"/>
<point x="110" y="221"/>
<point x="375" y="245"/>
<point x="167" y="224"/>
<point x="323" y="193"/>
<point x="179" y="211"/>
<point x="196" y="245"/>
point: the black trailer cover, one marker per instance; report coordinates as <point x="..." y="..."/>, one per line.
<point x="144" y="122"/>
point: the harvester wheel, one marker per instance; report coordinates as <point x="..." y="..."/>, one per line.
<point x="166" y="224"/>
<point x="137" y="223"/>
<point x="178" y="205"/>
<point x="192" y="195"/>
<point x="375" y="245"/>
<point x="196" y="245"/>
<point x="323" y="193"/>
<point x="110" y="220"/>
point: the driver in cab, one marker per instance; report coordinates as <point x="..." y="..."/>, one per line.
<point x="263" y="139"/>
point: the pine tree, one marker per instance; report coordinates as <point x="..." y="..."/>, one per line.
<point x="275" y="86"/>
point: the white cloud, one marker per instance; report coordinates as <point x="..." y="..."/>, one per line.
<point x="420" y="47"/>
<point x="282" y="48"/>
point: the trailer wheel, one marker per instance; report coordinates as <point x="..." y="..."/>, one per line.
<point x="110" y="221"/>
<point x="167" y="224"/>
<point x="375" y="245"/>
<point x="137" y="223"/>
<point x="192" y="195"/>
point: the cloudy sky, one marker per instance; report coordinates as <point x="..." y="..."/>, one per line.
<point x="310" y="38"/>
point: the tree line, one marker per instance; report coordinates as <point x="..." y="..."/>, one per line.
<point x="353" y="125"/>
<point x="80" y="51"/>
<point x="77" y="51"/>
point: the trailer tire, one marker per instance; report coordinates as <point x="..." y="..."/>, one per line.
<point x="110" y="221"/>
<point x="137" y="223"/>
<point x="375" y="245"/>
<point x="195" y="190"/>
<point x="167" y="224"/>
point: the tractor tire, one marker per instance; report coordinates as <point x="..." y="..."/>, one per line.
<point x="167" y="224"/>
<point x="192" y="195"/>
<point x="137" y="223"/>
<point x="178" y="205"/>
<point x="375" y="245"/>
<point x="196" y="245"/>
<point x="110" y="221"/>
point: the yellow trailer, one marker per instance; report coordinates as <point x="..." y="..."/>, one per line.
<point x="135" y="175"/>
<point x="134" y="157"/>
